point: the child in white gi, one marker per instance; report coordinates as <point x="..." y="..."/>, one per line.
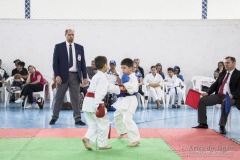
<point x="154" y="81"/>
<point x="126" y="104"/>
<point x="98" y="88"/>
<point x="173" y="87"/>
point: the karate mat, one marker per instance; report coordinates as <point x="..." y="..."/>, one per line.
<point x="156" y="144"/>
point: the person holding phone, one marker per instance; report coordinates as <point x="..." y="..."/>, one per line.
<point x="34" y="83"/>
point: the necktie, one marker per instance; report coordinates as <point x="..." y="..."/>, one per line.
<point x="70" y="58"/>
<point x="220" y="93"/>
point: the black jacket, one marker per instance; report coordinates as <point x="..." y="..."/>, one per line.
<point x="234" y="85"/>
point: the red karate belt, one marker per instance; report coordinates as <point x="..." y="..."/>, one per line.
<point x="90" y="94"/>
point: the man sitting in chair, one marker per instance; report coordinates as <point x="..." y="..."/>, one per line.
<point x="174" y="87"/>
<point x="155" y="82"/>
<point x="227" y="82"/>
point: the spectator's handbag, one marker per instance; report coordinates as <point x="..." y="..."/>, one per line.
<point x="40" y="102"/>
<point x="66" y="106"/>
<point x="193" y="98"/>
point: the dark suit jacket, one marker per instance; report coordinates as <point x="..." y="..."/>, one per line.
<point x="60" y="61"/>
<point x="234" y="85"/>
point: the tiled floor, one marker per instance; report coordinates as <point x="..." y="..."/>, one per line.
<point x="15" y="117"/>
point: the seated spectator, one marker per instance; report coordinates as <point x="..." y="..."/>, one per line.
<point x="3" y="74"/>
<point x="17" y="85"/>
<point x="173" y="84"/>
<point x="90" y="70"/>
<point x="155" y="82"/>
<point x="159" y="70"/>
<point x="216" y="74"/>
<point x="34" y="83"/>
<point x="139" y="77"/>
<point x="177" y="72"/>
<point x="137" y="61"/>
<point x="14" y="71"/>
<point x="220" y="68"/>
<point x="112" y="74"/>
<point x="21" y="70"/>
<point x="114" y="78"/>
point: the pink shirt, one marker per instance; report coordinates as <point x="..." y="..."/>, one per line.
<point x="34" y="78"/>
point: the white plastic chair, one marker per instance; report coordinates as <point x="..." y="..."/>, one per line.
<point x="146" y="94"/>
<point x="203" y="79"/>
<point x="37" y="94"/>
<point x="2" y="93"/>
<point x="162" y="96"/>
<point x="228" y="125"/>
<point x="6" y="93"/>
<point x="184" y="96"/>
<point x="193" y="80"/>
<point x="51" y="94"/>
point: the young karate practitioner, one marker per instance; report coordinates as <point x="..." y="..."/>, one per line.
<point x="92" y="106"/>
<point x="173" y="84"/>
<point x="154" y="81"/>
<point x="126" y="104"/>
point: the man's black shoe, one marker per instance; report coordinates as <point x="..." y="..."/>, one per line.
<point x="222" y="130"/>
<point x="52" y="122"/>
<point x="174" y="106"/>
<point x="80" y="123"/>
<point x="204" y="126"/>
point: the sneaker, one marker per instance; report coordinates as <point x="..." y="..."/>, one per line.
<point x="19" y="100"/>
<point x="29" y="106"/>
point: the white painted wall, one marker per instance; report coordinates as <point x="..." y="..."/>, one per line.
<point x="195" y="45"/>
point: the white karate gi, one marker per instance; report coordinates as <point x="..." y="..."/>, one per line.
<point x="155" y="93"/>
<point x="173" y="86"/>
<point x="126" y="107"/>
<point x="98" y="127"/>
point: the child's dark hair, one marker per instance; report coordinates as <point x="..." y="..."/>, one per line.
<point x="153" y="67"/>
<point x="100" y="61"/>
<point x="128" y="62"/>
<point x="170" y="69"/>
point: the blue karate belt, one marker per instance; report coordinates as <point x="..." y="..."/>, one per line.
<point x="125" y="95"/>
<point x="175" y="88"/>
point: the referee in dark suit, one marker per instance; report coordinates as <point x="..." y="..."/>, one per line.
<point x="69" y="67"/>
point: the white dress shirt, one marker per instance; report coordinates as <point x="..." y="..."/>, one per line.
<point x="74" y="67"/>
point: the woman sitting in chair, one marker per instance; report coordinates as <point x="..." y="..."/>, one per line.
<point x="34" y="83"/>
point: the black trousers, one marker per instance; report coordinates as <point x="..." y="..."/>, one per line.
<point x="209" y="101"/>
<point x="140" y="90"/>
<point x="29" y="89"/>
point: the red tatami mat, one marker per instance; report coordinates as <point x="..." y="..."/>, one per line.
<point x="18" y="133"/>
<point x="191" y="144"/>
<point x="194" y="144"/>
